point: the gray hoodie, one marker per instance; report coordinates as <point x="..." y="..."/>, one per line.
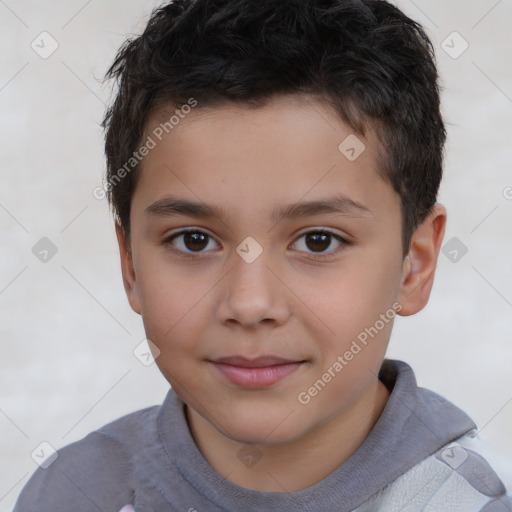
<point x="422" y="455"/>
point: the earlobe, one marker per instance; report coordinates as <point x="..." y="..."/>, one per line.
<point x="128" y="269"/>
<point x="419" y="265"/>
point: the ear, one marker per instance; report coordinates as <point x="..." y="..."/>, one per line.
<point x="127" y="269"/>
<point x="420" y="263"/>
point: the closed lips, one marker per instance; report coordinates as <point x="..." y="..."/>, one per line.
<point x="259" y="362"/>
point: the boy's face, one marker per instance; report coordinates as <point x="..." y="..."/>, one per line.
<point x="305" y="298"/>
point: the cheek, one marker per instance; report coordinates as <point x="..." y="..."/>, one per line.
<point x="357" y="306"/>
<point x="353" y="298"/>
<point x="175" y="313"/>
<point x="349" y="358"/>
<point x="172" y="301"/>
<point x="165" y="289"/>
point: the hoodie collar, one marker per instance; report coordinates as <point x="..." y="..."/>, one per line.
<point x="415" y="424"/>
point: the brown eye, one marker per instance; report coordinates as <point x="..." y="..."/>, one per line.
<point x="190" y="241"/>
<point x="195" y="241"/>
<point x="319" y="242"/>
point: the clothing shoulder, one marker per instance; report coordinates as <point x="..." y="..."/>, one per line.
<point x="93" y="473"/>
<point x="444" y="465"/>
<point x="458" y="477"/>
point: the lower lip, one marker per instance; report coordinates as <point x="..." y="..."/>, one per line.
<point x="256" y="377"/>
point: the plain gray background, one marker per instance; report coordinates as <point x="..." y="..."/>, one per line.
<point x="67" y="333"/>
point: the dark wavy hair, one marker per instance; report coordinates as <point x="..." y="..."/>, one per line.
<point x="366" y="58"/>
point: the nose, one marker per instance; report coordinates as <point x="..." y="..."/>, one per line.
<point x="253" y="293"/>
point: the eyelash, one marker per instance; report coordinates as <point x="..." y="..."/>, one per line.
<point x="319" y="256"/>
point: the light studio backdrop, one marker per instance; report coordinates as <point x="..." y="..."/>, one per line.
<point x="71" y="357"/>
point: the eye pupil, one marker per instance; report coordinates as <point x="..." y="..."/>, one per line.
<point x="195" y="241"/>
<point x="321" y="241"/>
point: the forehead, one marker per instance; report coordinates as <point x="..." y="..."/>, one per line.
<point x="290" y="148"/>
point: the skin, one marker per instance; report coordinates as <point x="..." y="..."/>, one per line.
<point x="288" y="302"/>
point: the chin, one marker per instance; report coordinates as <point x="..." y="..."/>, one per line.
<point x="257" y="429"/>
<point x="255" y="437"/>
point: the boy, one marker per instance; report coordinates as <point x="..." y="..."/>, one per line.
<point x="243" y="134"/>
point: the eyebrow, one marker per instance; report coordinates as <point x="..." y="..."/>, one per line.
<point x="172" y="206"/>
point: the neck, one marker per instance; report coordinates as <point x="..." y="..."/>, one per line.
<point x="301" y="463"/>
